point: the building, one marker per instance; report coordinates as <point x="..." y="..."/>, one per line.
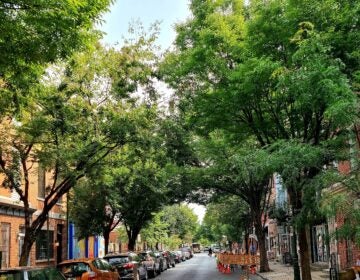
<point x="51" y="244"/>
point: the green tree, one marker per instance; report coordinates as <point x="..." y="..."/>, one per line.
<point x="36" y="33"/>
<point x="181" y="221"/>
<point x="141" y="174"/>
<point x="94" y="206"/>
<point x="270" y="81"/>
<point x="155" y="232"/>
<point x="67" y="129"/>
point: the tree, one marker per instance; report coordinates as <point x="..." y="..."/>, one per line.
<point x="269" y="82"/>
<point x="141" y="174"/>
<point x="36" y="33"/>
<point x="94" y="206"/>
<point x="181" y="221"/>
<point x="155" y="232"/>
<point x="68" y="128"/>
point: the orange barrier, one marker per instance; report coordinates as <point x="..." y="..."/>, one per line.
<point x="248" y="263"/>
<point x="239" y="259"/>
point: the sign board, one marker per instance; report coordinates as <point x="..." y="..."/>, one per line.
<point x="239" y="259"/>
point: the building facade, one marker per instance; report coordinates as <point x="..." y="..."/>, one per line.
<point x="51" y="243"/>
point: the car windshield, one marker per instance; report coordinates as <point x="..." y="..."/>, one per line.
<point x="118" y="260"/>
<point x="74" y="269"/>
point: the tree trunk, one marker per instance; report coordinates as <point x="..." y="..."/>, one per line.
<point x="26" y="249"/>
<point x="106" y="239"/>
<point x="296" y="202"/>
<point x="132" y="235"/>
<point x="264" y="263"/>
<point x="304" y="254"/>
<point x="132" y="244"/>
<point x="295" y="258"/>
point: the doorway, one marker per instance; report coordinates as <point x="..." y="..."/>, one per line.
<point x="59" y="243"/>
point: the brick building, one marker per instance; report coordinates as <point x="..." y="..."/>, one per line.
<point x="51" y="244"/>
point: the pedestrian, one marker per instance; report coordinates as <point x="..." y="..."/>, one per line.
<point x="210" y="252"/>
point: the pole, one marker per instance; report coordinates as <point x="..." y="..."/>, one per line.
<point x="48" y="239"/>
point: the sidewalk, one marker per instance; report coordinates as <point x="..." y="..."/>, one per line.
<point x="285" y="272"/>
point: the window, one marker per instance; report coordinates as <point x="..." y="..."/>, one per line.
<point x="106" y="265"/>
<point x="41" y="182"/>
<point x="45" y="249"/>
<point x="4" y="244"/>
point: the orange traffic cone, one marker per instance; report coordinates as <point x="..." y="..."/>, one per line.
<point x="227" y="270"/>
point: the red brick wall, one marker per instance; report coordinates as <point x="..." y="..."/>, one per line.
<point x="16" y="222"/>
<point x="347" y="250"/>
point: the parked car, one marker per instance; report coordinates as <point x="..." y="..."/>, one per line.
<point x="162" y="261"/>
<point x="126" y="264"/>
<point x="187" y="251"/>
<point x="151" y="262"/>
<point x="182" y="255"/>
<point x="31" y="273"/>
<point x="170" y="258"/>
<point x="88" y="269"/>
<point x="177" y="256"/>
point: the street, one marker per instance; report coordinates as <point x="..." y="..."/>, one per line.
<point x="200" y="267"/>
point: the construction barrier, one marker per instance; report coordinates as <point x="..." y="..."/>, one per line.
<point x="248" y="263"/>
<point x="238" y="259"/>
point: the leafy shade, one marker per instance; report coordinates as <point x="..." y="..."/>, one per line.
<point x="35" y="33"/>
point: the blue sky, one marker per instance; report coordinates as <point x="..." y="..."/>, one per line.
<point x="122" y="12"/>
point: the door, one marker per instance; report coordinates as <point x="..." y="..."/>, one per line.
<point x="320" y="246"/>
<point x="4" y="245"/>
<point x="59" y="243"/>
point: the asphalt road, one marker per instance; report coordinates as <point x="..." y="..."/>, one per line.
<point x="200" y="267"/>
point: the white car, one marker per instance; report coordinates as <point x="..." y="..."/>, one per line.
<point x="216" y="249"/>
<point x="186" y="253"/>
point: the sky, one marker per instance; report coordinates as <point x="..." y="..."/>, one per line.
<point x="122" y="12"/>
<point x="168" y="12"/>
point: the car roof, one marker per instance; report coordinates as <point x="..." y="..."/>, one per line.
<point x="119" y="255"/>
<point x="86" y="260"/>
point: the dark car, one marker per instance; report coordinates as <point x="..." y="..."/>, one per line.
<point x="31" y="273"/>
<point x="151" y="262"/>
<point x="126" y="264"/>
<point x="170" y="258"/>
